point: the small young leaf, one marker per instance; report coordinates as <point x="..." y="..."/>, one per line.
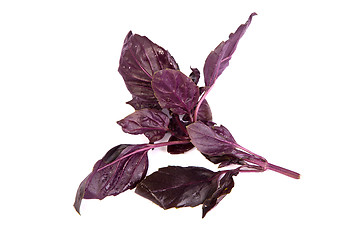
<point x="211" y="140"/>
<point x="140" y="59"/>
<point x="175" y="91"/>
<point x="219" y="59"/>
<point x="185" y="187"/>
<point x="115" y="178"/>
<point x="195" y="75"/>
<point x="153" y="123"/>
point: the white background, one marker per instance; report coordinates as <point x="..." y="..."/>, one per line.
<point x="290" y="94"/>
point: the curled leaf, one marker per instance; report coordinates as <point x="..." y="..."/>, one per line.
<point x="151" y="122"/>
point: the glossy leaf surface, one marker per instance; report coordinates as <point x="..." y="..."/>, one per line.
<point x="151" y="122"/>
<point x="175" y="186"/>
<point x="116" y="178"/>
<point x="219" y="59"/>
<point x="140" y="59"/>
<point x="175" y="91"/>
<point x="211" y="140"/>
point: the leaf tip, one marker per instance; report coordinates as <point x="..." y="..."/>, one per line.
<point x="77" y="208"/>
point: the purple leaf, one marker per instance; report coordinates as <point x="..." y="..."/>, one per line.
<point x="185" y="187"/>
<point x="219" y="59"/>
<point x="115" y="178"/>
<point x="175" y="91"/>
<point x="140" y="59"/>
<point x="211" y="140"/>
<point x="151" y="122"/>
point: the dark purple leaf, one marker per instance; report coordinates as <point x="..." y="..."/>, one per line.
<point x="219" y="59"/>
<point x="151" y="122"/>
<point x="195" y="75"/>
<point x="116" y="178"/>
<point x="211" y="140"/>
<point x="175" y="91"/>
<point x="140" y="59"/>
<point x="178" y="148"/>
<point x="185" y="187"/>
<point x="177" y="186"/>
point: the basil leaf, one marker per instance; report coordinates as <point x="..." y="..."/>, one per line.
<point x="211" y="140"/>
<point x="175" y="91"/>
<point x="219" y="58"/>
<point x="140" y="59"/>
<point x="175" y="186"/>
<point x="151" y="122"/>
<point x="115" y="178"/>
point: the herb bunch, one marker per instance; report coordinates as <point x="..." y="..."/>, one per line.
<point x="166" y="101"/>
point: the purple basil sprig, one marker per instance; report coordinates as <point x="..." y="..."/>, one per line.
<point x="169" y="103"/>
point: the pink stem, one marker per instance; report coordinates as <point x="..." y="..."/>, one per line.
<point x="262" y="162"/>
<point x="284" y="171"/>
